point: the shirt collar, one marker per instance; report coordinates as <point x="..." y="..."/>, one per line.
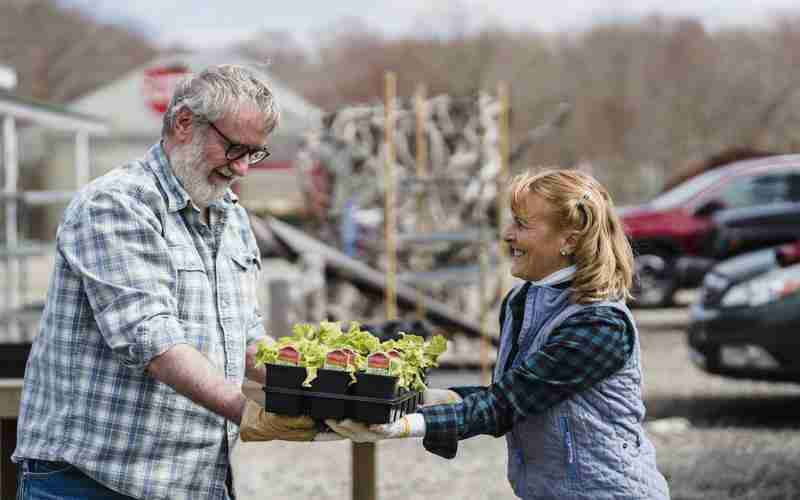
<point x="177" y="197"/>
<point x="557" y="277"/>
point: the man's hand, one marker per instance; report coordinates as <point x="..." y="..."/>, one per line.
<point x="439" y="397"/>
<point x="408" y="426"/>
<point x="261" y="425"/>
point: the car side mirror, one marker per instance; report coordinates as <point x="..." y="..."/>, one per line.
<point x="710" y="208"/>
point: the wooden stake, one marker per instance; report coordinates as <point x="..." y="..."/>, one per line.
<point x="483" y="261"/>
<point x="504" y="146"/>
<point x="389" y="215"/>
<point x="422" y="172"/>
<point x="364" y="460"/>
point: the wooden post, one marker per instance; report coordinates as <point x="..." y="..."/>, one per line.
<point x="422" y="167"/>
<point x="364" y="461"/>
<point x="502" y="251"/>
<point x="483" y="261"/>
<point x="11" y="164"/>
<point x="314" y="270"/>
<point x="364" y="471"/>
<point x="82" y="170"/>
<point x="279" y="304"/>
<point x="388" y="214"/>
<point x="504" y="147"/>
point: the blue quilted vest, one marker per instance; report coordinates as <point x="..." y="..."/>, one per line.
<point x="591" y="446"/>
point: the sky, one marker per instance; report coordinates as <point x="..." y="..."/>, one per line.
<point x="211" y="23"/>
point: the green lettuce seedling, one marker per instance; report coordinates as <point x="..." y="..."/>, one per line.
<point x="313" y="343"/>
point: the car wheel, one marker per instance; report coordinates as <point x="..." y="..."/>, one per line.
<point x="655" y="281"/>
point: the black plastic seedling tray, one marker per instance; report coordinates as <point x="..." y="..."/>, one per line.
<point x="362" y="409"/>
<point x="373" y="399"/>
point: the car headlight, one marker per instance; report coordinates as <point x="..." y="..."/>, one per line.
<point x="715" y="282"/>
<point x="769" y="287"/>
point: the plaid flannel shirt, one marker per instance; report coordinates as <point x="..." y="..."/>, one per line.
<point x="137" y="272"/>
<point x="587" y="348"/>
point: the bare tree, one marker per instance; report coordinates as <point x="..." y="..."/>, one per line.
<point x="61" y="53"/>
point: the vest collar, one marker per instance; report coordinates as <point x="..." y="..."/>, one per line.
<point x="557" y="277"/>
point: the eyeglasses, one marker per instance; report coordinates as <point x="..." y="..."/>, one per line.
<point x="234" y="151"/>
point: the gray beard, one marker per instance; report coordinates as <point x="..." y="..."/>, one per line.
<point x="188" y="165"/>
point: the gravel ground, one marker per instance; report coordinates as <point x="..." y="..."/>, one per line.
<point x="739" y="439"/>
<point x="716" y="439"/>
<point x="405" y="471"/>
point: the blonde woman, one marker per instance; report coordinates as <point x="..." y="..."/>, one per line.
<point x="567" y="381"/>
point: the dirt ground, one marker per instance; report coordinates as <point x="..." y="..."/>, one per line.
<point x="743" y="437"/>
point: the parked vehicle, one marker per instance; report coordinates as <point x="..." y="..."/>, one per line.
<point x="737" y="231"/>
<point x="747" y="316"/>
<point x="683" y="222"/>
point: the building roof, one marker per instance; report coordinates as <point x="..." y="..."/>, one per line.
<point x="49" y="115"/>
<point x="127" y="102"/>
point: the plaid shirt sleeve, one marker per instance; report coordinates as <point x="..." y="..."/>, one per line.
<point x="584" y="350"/>
<point x="115" y="243"/>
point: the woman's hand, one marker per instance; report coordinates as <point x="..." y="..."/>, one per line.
<point x="408" y="426"/>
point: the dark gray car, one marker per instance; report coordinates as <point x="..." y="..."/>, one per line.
<point x="746" y="320"/>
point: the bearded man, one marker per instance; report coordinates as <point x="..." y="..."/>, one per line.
<point x="133" y="385"/>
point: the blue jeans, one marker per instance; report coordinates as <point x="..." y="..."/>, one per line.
<point x="44" y="480"/>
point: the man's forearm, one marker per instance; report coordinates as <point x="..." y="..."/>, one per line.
<point x="186" y="370"/>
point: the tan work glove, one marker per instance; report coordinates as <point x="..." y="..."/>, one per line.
<point x="260" y="425"/>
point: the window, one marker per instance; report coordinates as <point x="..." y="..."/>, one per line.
<point x="761" y="190"/>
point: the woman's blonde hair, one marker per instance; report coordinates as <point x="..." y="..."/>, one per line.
<point x="603" y="257"/>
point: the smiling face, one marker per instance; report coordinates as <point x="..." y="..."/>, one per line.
<point x="535" y="240"/>
<point x="199" y="161"/>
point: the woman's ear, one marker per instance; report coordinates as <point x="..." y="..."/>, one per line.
<point x="571" y="242"/>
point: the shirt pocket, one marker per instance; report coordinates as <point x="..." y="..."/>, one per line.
<point x="192" y="287"/>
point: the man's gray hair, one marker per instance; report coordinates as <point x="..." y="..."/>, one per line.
<point x="218" y="91"/>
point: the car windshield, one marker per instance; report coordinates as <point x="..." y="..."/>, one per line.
<point x="687" y="190"/>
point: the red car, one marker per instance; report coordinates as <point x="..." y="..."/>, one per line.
<point x="672" y="235"/>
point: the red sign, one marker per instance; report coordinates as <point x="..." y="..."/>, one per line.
<point x="159" y="85"/>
